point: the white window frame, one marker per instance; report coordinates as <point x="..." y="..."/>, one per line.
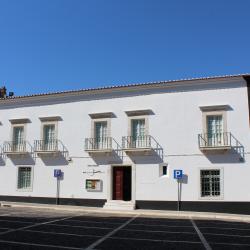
<point x="161" y="175"/>
<point x="205" y="114"/>
<point x="96" y="120"/>
<point x="131" y="118"/>
<point x="219" y="197"/>
<point x="30" y="189"/>
<point x="49" y="123"/>
<point x="18" y="125"/>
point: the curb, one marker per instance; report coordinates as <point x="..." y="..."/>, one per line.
<point x="154" y="213"/>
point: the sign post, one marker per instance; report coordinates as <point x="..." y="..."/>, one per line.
<point x="178" y="174"/>
<point x="57" y="175"/>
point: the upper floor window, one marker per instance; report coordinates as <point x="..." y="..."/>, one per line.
<point x="215" y="130"/>
<point x="138" y="133"/>
<point x="101" y="134"/>
<point x="49" y="132"/>
<point x="18" y="134"/>
<point x="100" y="138"/>
<point x="101" y="129"/>
<point x="138" y="128"/>
<point x="49" y="137"/>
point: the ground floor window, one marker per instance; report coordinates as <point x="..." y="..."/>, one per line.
<point x="24" y="178"/>
<point x="210" y="183"/>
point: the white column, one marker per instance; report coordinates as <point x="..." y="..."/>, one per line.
<point x="133" y="183"/>
<point x="109" y="183"/>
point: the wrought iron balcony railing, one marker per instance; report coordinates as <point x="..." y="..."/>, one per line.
<point x="17" y="147"/>
<point x="221" y="141"/>
<point x="144" y="144"/>
<point x="99" y="144"/>
<point x="53" y="145"/>
<point x="212" y="140"/>
<point x="137" y="142"/>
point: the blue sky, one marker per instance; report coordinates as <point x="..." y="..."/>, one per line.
<point x="49" y="45"/>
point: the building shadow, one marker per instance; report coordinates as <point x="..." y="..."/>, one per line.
<point x="107" y="158"/>
<point x="230" y="157"/>
<point x="27" y="159"/>
<point x="151" y="157"/>
<point x="54" y="159"/>
<point x="2" y="161"/>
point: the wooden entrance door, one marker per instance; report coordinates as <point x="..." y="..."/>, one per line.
<point x="122" y="183"/>
<point x="118" y="183"/>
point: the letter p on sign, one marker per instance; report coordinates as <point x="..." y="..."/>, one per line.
<point x="178" y="174"/>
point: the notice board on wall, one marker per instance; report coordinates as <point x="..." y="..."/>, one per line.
<point x="93" y="185"/>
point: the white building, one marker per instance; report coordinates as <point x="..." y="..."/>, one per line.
<point x="119" y="146"/>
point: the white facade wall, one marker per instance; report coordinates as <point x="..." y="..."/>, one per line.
<point x="175" y="124"/>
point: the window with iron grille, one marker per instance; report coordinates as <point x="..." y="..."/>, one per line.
<point x="210" y="183"/>
<point x="24" y="178"/>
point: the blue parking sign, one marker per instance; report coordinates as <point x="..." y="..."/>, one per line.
<point x="57" y="173"/>
<point x="178" y="173"/>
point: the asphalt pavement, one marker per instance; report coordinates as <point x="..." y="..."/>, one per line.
<point x="42" y="228"/>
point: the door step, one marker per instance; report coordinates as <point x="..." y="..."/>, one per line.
<point x="119" y="205"/>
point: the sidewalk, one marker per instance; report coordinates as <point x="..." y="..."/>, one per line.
<point x="142" y="212"/>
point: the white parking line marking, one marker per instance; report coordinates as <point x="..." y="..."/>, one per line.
<point x="38" y="245"/>
<point x="157" y="231"/>
<point x="17" y="221"/>
<point x="230" y="244"/>
<point x="229" y="235"/>
<point x="97" y="222"/>
<point x="132" y="224"/>
<point x="105" y="228"/>
<point x="66" y="225"/>
<point x="202" y="238"/>
<point x="155" y="240"/>
<point x="98" y="242"/>
<point x="58" y="233"/>
<point x="225" y="228"/>
<point x="147" y="231"/>
<point x="36" y="224"/>
<point x="225" y="223"/>
<point x="155" y="225"/>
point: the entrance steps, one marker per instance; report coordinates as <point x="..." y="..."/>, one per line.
<point x="119" y="205"/>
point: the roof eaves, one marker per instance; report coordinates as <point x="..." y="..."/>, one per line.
<point x="126" y="86"/>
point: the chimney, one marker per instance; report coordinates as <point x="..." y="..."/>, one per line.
<point x="3" y="92"/>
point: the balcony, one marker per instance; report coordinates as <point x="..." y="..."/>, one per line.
<point x="144" y="144"/>
<point x="45" y="147"/>
<point x="17" y="148"/>
<point x="215" y="141"/>
<point x="220" y="142"/>
<point x="100" y="145"/>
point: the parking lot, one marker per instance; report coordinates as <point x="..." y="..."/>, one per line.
<point x="32" y="228"/>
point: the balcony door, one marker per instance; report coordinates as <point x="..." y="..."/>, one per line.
<point x="49" y="137"/>
<point x="215" y="130"/>
<point x="101" y="140"/>
<point x="18" y="138"/>
<point x="138" y="133"/>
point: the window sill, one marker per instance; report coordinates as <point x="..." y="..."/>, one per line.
<point x="164" y="176"/>
<point x="211" y="198"/>
<point x="24" y="190"/>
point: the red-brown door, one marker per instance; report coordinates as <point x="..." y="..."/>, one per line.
<point x="118" y="183"/>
